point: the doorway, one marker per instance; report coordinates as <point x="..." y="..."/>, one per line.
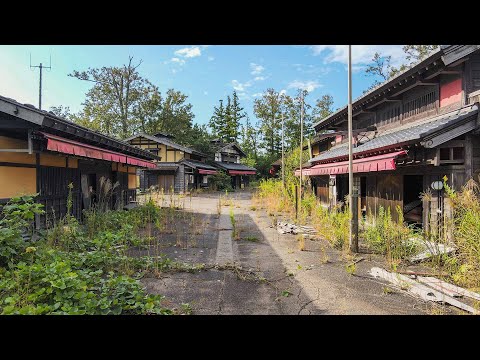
<point x="412" y="204"/>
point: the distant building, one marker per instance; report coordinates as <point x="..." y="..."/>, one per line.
<point x="227" y="158"/>
<point x="178" y="168"/>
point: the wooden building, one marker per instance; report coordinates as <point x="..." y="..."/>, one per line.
<point x="410" y="131"/>
<point x="227" y="158"/>
<point x="42" y="153"/>
<point x="178" y="167"/>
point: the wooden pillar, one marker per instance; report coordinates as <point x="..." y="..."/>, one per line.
<point x="468" y="157"/>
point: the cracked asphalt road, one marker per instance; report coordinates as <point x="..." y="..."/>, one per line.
<point x="281" y="278"/>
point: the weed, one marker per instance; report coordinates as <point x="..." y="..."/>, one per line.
<point x="286" y="293"/>
<point x="250" y="238"/>
<point x="351" y="268"/>
<point x="253" y="208"/>
<point x="301" y="242"/>
<point x="387" y="291"/>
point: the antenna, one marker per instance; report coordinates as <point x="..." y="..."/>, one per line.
<point x="41" y="67"/>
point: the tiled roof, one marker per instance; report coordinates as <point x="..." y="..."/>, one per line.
<point x="120" y="145"/>
<point x="233" y="166"/>
<point x="401" y="135"/>
<point x="197" y="164"/>
<point x="166" y="141"/>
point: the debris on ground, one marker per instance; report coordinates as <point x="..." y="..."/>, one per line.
<point x="287" y="228"/>
<point x="421" y="290"/>
<point x="431" y="249"/>
<point x="449" y="289"/>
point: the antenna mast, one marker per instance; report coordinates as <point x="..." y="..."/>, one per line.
<point x="41" y="67"/>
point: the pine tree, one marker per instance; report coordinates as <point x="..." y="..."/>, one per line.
<point x="217" y="120"/>
<point x="237" y="114"/>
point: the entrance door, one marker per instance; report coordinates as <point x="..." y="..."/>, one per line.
<point x="412" y="205"/>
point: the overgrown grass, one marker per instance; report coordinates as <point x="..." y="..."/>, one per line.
<point x="392" y="238"/>
<point x="76" y="269"/>
<point x="465" y="265"/>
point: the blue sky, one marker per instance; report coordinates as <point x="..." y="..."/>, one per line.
<point x="205" y="73"/>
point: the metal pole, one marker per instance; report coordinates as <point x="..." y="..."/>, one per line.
<point x="40" y="89"/>
<point x="301" y="146"/>
<point x="353" y="241"/>
<point x="283" y="156"/>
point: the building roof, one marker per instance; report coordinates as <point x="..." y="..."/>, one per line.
<point x="166" y="141"/>
<point x="402" y="135"/>
<point x="68" y="129"/>
<point x="414" y="70"/>
<point x="234" y="166"/>
<point x="219" y="146"/>
<point x="197" y="164"/>
<point x="165" y="166"/>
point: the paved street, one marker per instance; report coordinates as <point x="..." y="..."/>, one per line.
<point x="262" y="272"/>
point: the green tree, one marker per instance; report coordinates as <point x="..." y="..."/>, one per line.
<point x="418" y="52"/>
<point x="199" y="138"/>
<point x="225" y="121"/>
<point x="381" y="66"/>
<point x="237" y="114"/>
<point x="323" y="108"/>
<point x="61" y="111"/>
<point x="175" y="116"/>
<point x="268" y="110"/>
<point x="293" y="109"/>
<point x="217" y="121"/>
<point x="112" y="103"/>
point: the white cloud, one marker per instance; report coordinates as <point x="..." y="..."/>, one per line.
<point x="283" y="92"/>
<point x="256" y="69"/>
<point x="205" y="92"/>
<point x="241" y="87"/>
<point x="210" y="58"/>
<point x="257" y="94"/>
<point x="361" y="54"/>
<point x="259" y="78"/>
<point x="177" y="61"/>
<point x="304" y="85"/>
<point x="189" y="52"/>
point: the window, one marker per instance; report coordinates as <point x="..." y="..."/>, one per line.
<point x="153" y="151"/>
<point x="452" y="155"/>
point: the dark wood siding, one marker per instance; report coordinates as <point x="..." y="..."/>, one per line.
<point x="53" y="188"/>
<point x="384" y="190"/>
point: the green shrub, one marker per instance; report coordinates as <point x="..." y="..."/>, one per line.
<point x="220" y="181"/>
<point x="16" y="222"/>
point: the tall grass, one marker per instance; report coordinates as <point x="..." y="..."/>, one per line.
<point x="392" y="238"/>
<point x="465" y="266"/>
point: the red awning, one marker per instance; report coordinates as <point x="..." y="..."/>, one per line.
<point x="242" y="172"/>
<point x="368" y="164"/>
<point x="67" y="146"/>
<point x="206" y="172"/>
<point x="305" y="172"/>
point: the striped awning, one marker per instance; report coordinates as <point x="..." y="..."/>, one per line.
<point x="67" y="146"/>
<point x="368" y="164"/>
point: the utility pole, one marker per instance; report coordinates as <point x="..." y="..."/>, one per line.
<point x="41" y="67"/>
<point x="283" y="156"/>
<point x="301" y="146"/>
<point x="352" y="203"/>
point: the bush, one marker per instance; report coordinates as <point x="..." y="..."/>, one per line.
<point x="16" y="226"/>
<point x="220" y="181"/>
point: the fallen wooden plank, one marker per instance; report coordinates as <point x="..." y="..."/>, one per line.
<point x="422" y="291"/>
<point x="417" y="273"/>
<point x="432" y="249"/>
<point x="447" y="288"/>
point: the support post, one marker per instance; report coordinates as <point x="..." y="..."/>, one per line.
<point x="353" y="236"/>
